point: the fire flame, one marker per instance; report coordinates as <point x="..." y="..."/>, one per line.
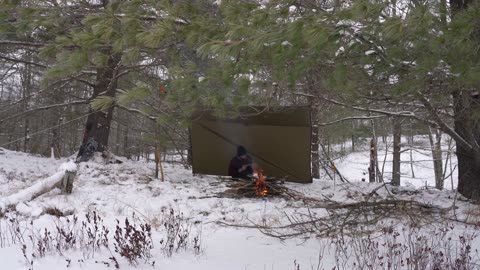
<point x="260" y="184"/>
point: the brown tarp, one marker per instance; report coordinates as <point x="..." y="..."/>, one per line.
<point x="279" y="142"/>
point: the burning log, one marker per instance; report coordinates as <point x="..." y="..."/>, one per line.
<point x="260" y="184"/>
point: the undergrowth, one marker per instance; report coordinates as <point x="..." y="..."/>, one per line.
<point x="412" y="248"/>
<point x="133" y="239"/>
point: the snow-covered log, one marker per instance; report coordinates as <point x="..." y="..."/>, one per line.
<point x="40" y="187"/>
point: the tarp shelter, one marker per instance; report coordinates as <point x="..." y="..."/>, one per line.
<point x="279" y="141"/>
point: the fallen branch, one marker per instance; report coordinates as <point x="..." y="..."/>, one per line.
<point x="40" y="187"/>
<point x="358" y="218"/>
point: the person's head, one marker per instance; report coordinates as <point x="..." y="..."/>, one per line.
<point x="241" y="152"/>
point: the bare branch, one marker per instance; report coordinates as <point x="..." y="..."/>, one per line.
<point x="443" y="126"/>
<point x="150" y="117"/>
<point x="80" y="102"/>
<point x="22" y="61"/>
<point x="22" y="43"/>
<point x="353" y="118"/>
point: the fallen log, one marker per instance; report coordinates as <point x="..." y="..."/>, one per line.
<point x="43" y="186"/>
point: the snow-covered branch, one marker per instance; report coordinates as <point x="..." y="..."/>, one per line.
<point x="352" y="118"/>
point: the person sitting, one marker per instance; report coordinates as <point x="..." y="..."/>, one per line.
<point x="241" y="166"/>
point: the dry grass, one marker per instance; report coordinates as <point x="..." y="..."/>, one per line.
<point x="53" y="211"/>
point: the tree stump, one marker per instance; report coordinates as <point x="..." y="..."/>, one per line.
<point x="67" y="182"/>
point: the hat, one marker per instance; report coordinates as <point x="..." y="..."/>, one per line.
<point x="241" y="150"/>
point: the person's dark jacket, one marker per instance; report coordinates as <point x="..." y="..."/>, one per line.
<point x="236" y="163"/>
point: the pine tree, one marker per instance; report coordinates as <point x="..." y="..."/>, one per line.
<point x="411" y="63"/>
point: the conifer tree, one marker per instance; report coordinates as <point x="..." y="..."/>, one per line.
<point x="411" y="63"/>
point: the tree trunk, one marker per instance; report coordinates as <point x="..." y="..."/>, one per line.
<point x="373" y="162"/>
<point x="466" y="107"/>
<point x="397" y="136"/>
<point x="26" y="85"/>
<point x="189" y="150"/>
<point x="394" y="8"/>
<point x="443" y="11"/>
<point x="117" y="138"/>
<point x="126" y="149"/>
<point x="98" y="122"/>
<point x="313" y="85"/>
<point x="373" y="170"/>
<point x="437" y="156"/>
<point x="315" y="145"/>
<point x="353" y="136"/>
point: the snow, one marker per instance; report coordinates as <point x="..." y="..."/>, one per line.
<point x="116" y="191"/>
<point x="68" y="166"/>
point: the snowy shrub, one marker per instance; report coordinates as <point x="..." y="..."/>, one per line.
<point x="177" y="234"/>
<point x="11" y="231"/>
<point x="94" y="234"/>
<point x="133" y="242"/>
<point x="411" y="248"/>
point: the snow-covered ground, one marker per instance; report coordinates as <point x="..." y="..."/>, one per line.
<point x="118" y="191"/>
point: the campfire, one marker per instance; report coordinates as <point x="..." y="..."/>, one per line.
<point x="260" y="184"/>
<point x="257" y="187"/>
